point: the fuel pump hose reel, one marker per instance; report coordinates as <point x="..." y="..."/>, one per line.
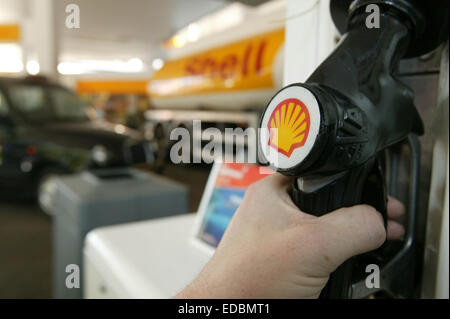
<point x="332" y="131"/>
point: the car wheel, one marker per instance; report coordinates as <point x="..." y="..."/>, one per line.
<point x="46" y="189"/>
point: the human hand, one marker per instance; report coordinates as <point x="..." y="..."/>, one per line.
<point x="273" y="250"/>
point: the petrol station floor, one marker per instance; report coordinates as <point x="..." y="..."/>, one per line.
<point x="25" y="238"/>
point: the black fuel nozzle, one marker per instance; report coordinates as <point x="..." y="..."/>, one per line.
<point x="330" y="131"/>
<point x="326" y="141"/>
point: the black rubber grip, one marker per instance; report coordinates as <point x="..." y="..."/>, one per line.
<point x="344" y="191"/>
<point x="364" y="184"/>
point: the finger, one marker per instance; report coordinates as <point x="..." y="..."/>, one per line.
<point x="395" y="208"/>
<point x="276" y="186"/>
<point x="278" y="179"/>
<point x="394" y="230"/>
<point x="281" y="185"/>
<point x="271" y="183"/>
<point x="351" y="231"/>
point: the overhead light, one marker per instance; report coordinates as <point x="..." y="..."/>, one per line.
<point x="33" y="67"/>
<point x="157" y="64"/>
<point x="193" y="32"/>
<point x="228" y="17"/>
<point x="133" y="65"/>
<point x="10" y="58"/>
<point x="178" y="40"/>
<point x="67" y="68"/>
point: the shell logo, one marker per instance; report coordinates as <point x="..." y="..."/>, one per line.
<point x="289" y="126"/>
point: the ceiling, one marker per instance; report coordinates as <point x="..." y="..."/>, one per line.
<point x="125" y="29"/>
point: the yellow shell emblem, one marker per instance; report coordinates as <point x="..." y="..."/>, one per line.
<point x="288" y="126"/>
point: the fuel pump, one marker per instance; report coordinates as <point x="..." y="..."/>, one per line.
<point x="340" y="132"/>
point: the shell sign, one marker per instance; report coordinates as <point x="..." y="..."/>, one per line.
<point x="288" y="126"/>
<point x="248" y="64"/>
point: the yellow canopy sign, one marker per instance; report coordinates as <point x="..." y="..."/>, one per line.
<point x="9" y="33"/>
<point x="113" y="86"/>
<point x="243" y="65"/>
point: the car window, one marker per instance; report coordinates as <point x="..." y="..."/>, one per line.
<point x="32" y="101"/>
<point x="67" y="105"/>
<point x="4" y="110"/>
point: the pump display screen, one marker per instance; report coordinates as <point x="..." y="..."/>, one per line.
<point x="223" y="194"/>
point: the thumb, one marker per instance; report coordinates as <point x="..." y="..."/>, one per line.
<point x="351" y="231"/>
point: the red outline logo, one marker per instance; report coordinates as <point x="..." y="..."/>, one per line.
<point x="291" y="127"/>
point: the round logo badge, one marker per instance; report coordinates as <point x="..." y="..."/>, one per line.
<point x="289" y="127"/>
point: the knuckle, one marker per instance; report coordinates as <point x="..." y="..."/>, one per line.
<point x="252" y="188"/>
<point x="252" y="192"/>
<point x="374" y="220"/>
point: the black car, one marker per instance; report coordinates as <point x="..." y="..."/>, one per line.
<point x="45" y="131"/>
